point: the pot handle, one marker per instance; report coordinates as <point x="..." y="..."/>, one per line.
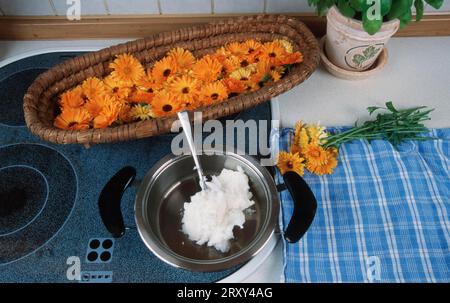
<point x="305" y="206"/>
<point x="110" y="199"/>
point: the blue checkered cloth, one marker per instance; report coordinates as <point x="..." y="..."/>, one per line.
<point x="382" y="216"/>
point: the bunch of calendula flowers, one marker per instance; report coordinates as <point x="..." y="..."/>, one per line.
<point x="308" y="151"/>
<point x="315" y="149"/>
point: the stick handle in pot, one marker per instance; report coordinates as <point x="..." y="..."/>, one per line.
<point x="305" y="206"/>
<point x="110" y="199"/>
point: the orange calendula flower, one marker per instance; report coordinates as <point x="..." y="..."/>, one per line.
<point x="182" y="58"/>
<point x="213" y="92"/>
<point x="234" y="85"/>
<point x="125" y="114"/>
<point x="185" y="90"/>
<point x="327" y="166"/>
<point x="126" y="69"/>
<point x="222" y="51"/>
<point x="93" y="88"/>
<point x="251" y="46"/>
<point x="290" y="162"/>
<point x="231" y="64"/>
<point x="208" y="69"/>
<point x="163" y="69"/>
<point x="72" y="98"/>
<point x="116" y="89"/>
<point x="272" y="52"/>
<point x="315" y="156"/>
<point x="95" y="106"/>
<point x="291" y="58"/>
<point x="301" y="138"/>
<point x="139" y="96"/>
<point x="73" y="119"/>
<point x="108" y="115"/>
<point x="164" y="104"/>
<point x="236" y="49"/>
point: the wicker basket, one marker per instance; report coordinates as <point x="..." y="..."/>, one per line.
<point x="40" y="100"/>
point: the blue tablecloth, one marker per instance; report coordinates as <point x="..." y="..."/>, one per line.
<point x="382" y="216"/>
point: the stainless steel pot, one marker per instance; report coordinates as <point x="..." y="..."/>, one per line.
<point x="172" y="181"/>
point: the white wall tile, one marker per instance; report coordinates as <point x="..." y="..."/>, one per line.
<point x="238" y="6"/>
<point x="26" y="7"/>
<point x="88" y="7"/>
<point x="288" y="6"/>
<point x="185" y="6"/>
<point x="122" y="7"/>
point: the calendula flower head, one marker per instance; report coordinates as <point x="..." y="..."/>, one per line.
<point x="251" y="46"/>
<point x="182" y="58"/>
<point x="286" y="44"/>
<point x="73" y="119"/>
<point x="207" y="69"/>
<point x="127" y="69"/>
<point x="164" y="104"/>
<point x="140" y="112"/>
<point x="301" y="138"/>
<point x="241" y="74"/>
<point x="290" y="162"/>
<point x="236" y="49"/>
<point x="93" y="87"/>
<point x="316" y="133"/>
<point x="108" y="115"/>
<point x="213" y="93"/>
<point x="320" y="161"/>
<point x="116" y="89"/>
<point x="72" y="98"/>
<point x="185" y="90"/>
<point x="163" y="69"/>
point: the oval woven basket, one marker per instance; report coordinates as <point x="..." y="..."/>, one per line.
<point x="40" y="101"/>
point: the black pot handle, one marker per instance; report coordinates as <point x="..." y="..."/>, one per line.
<point x="305" y="206"/>
<point x="110" y="198"/>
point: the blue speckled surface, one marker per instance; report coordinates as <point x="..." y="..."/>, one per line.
<point x="132" y="261"/>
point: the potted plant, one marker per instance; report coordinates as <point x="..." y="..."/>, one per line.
<point x="357" y="30"/>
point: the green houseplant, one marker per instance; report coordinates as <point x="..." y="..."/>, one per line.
<point x="355" y="25"/>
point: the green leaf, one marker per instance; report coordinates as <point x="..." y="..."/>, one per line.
<point x="371" y="26"/>
<point x="418" y="4"/>
<point x="435" y="3"/>
<point x="357" y="5"/>
<point x="390" y="106"/>
<point x="371" y="109"/>
<point x="345" y="8"/>
<point x="398" y="8"/>
<point x="405" y="18"/>
<point x="385" y="7"/>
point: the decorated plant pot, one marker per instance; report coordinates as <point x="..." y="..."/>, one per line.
<point x="348" y="46"/>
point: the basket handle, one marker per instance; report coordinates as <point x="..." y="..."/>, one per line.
<point x="110" y="199"/>
<point x="305" y="206"/>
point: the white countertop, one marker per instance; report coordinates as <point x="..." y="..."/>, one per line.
<point x="417" y="73"/>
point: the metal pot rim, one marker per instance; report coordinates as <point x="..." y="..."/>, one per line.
<point x="168" y="256"/>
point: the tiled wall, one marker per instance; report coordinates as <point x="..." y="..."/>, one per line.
<point x="116" y="7"/>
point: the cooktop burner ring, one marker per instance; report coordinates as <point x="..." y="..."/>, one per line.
<point x="62" y="181"/>
<point x="12" y="90"/>
<point x="37" y="208"/>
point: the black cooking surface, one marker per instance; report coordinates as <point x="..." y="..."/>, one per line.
<point x="48" y="198"/>
<point x="11" y="94"/>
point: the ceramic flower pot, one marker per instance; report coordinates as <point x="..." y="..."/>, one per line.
<point x="348" y="46"/>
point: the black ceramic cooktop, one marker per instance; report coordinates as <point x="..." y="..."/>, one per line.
<point x="49" y="219"/>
